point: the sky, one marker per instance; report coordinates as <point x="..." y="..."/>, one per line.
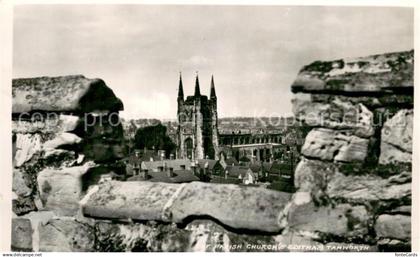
<point x="254" y="52"/>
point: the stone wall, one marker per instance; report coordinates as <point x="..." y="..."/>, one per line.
<point x="66" y="137"/>
<point x="358" y="152"/>
<point x="353" y="181"/>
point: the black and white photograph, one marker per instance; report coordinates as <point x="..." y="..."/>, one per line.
<point x="211" y="128"/>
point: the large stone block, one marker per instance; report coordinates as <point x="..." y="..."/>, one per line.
<point x="238" y="207"/>
<point x="336" y="114"/>
<point x="332" y="145"/>
<point x="63" y="94"/>
<point x="384" y="73"/>
<point x="342" y="220"/>
<point x="21" y="234"/>
<point x="398" y="130"/>
<point x="234" y="206"/>
<point x="61" y="189"/>
<point x="396" y="138"/>
<point x="66" y="235"/>
<point x="369" y="187"/>
<point x="129" y="200"/>
<point x="393" y="226"/>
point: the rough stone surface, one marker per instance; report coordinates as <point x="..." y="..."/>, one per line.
<point x="371" y="102"/>
<point x="206" y="236"/>
<point x="385" y="73"/>
<point x="141" y="238"/>
<point x="54" y="123"/>
<point x="61" y="140"/>
<point x="398" y="130"/>
<point x="393" y="226"/>
<point x="19" y="185"/>
<point x="358" y="153"/>
<point x="21" y="234"/>
<point x="61" y="189"/>
<point x="293" y="242"/>
<point x="393" y="245"/>
<point x="337" y="114"/>
<point x="369" y="187"/>
<point x="63" y="94"/>
<point x="392" y="154"/>
<point x="26" y="146"/>
<point x="312" y="175"/>
<point x="66" y="235"/>
<point x="396" y="136"/>
<point x="344" y="201"/>
<point x="238" y="207"/>
<point x="342" y="220"/>
<point x="36" y="219"/>
<point x="405" y="209"/>
<point x="331" y="145"/>
<point x="129" y="200"/>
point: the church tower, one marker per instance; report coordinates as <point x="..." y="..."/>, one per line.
<point x="197" y="131"/>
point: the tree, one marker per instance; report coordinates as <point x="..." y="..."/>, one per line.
<point x="154" y="138"/>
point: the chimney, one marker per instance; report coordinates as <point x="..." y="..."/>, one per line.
<point x="161" y="154"/>
<point x="206" y="168"/>
<point x="170" y="172"/>
<point x="194" y="168"/>
<point x="144" y="174"/>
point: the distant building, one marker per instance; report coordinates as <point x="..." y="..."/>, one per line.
<point x="197" y="124"/>
<point x="168" y="176"/>
<point x="213" y="167"/>
<point x="242" y="173"/>
<point x="135" y="159"/>
<point x="162" y="165"/>
<point x="226" y="161"/>
<point x="278" y="173"/>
